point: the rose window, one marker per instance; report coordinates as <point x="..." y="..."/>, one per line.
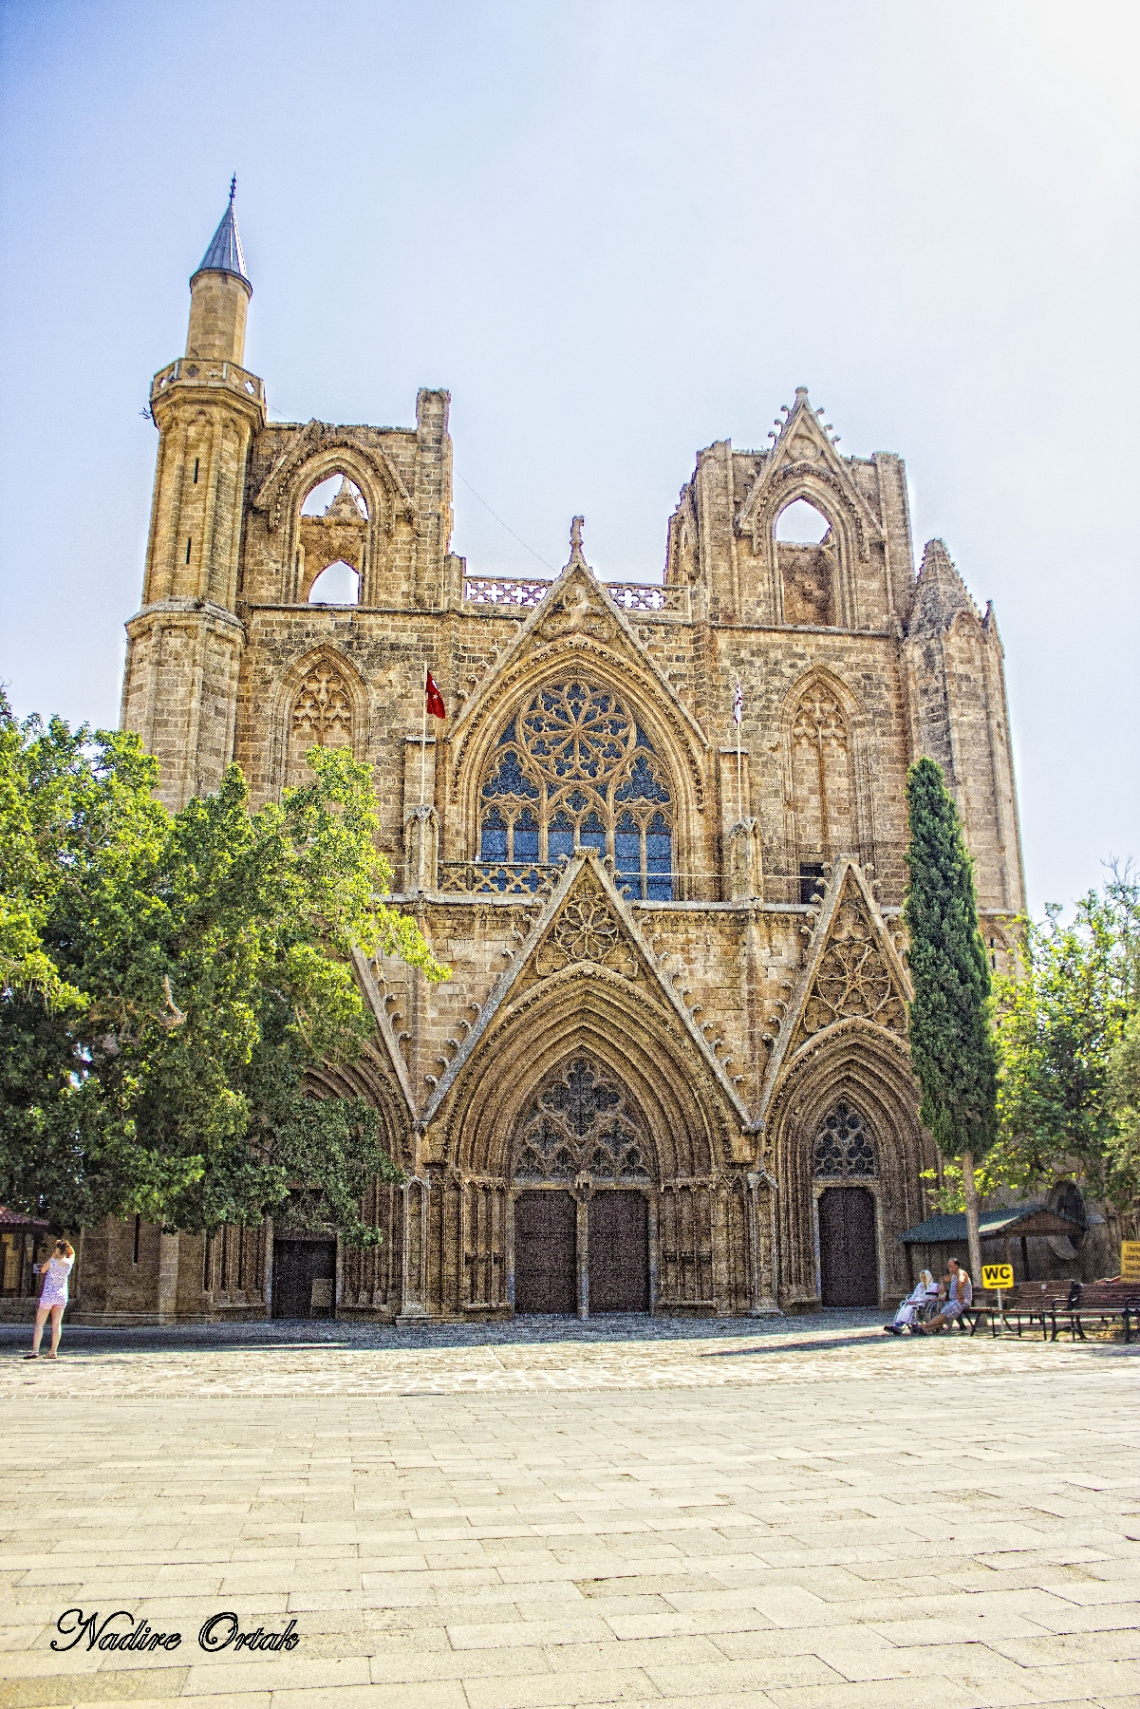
<point x="575" y="770"/>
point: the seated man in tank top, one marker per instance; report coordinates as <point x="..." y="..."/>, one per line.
<point x="959" y="1292"/>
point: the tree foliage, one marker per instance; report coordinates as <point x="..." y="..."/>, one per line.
<point x="170" y="980"/>
<point x="1069" y="1042"/>
<point x="951" y="1037"/>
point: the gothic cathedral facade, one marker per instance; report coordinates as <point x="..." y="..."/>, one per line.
<point x="670" y="1071"/>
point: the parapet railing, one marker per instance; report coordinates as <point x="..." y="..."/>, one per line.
<point x="524" y="595"/>
<point x="518" y="878"/>
<point x="193" y="371"/>
<point x="480" y="878"/>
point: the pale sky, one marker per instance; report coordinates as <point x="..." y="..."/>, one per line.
<point x="616" y="230"/>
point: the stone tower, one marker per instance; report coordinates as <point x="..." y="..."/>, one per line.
<point x="185" y="645"/>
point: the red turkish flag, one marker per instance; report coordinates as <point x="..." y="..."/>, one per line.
<point x="434" y="698"/>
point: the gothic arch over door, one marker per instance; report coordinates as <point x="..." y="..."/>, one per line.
<point x="582" y="1166"/>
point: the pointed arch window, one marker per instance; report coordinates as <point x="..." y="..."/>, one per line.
<point x="843" y="1147"/>
<point x="576" y="770"/>
<point x="805" y="552"/>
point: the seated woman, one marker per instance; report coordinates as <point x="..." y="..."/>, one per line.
<point x="924" y="1294"/>
<point x="958" y="1292"/>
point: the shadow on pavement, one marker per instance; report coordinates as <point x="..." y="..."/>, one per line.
<point x="302" y="1335"/>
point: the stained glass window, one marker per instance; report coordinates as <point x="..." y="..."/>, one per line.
<point x="842" y="1145"/>
<point x="575" y="770"/>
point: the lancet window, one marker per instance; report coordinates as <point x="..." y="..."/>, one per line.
<point x="575" y="770"/>
<point x="843" y="1147"/>
<point x="581" y="1123"/>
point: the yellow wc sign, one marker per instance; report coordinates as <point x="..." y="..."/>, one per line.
<point x="997" y="1276"/>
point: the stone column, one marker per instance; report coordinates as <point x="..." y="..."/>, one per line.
<point x="413" y="1292"/>
<point x="762" y="1234"/>
<point x="167" y="1275"/>
<point x="745" y="861"/>
<point x="421" y="850"/>
<point x="583" y="1252"/>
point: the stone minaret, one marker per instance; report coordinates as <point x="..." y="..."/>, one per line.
<point x="185" y="645"/>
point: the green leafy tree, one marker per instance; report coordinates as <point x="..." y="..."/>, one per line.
<point x="951" y="1038"/>
<point x="1069" y="1045"/>
<point x="1124" y="1094"/>
<point x="171" y="983"/>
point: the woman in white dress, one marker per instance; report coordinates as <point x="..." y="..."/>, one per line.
<point x="53" y="1297"/>
<point x="924" y="1293"/>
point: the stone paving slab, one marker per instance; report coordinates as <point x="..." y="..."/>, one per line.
<point x="798" y="1514"/>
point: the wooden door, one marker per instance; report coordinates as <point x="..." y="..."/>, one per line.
<point x="297" y="1265"/>
<point x="848" y="1256"/>
<point x="619" y="1252"/>
<point x="546" y="1247"/>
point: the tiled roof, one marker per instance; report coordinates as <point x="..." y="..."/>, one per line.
<point x="17" y="1219"/>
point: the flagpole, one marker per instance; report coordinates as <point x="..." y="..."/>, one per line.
<point x="737" y="716"/>
<point x="423" y="746"/>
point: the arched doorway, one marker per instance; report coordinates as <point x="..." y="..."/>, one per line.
<point x="843" y="1158"/>
<point x="581" y="1211"/>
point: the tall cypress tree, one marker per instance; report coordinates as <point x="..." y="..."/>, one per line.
<point x="951" y="1037"/>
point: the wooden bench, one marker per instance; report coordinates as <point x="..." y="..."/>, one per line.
<point x="1025" y="1302"/>
<point x="1055" y="1305"/>
<point x="1099" y="1302"/>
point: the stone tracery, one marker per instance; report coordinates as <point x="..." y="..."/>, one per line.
<point x="575" y="769"/>
<point x="321" y="717"/>
<point x="581" y="1122"/>
<point x="843" y="1147"/>
<point x="853" y="979"/>
<point x="821" y="775"/>
<point x="322" y="711"/>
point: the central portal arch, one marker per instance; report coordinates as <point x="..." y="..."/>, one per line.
<point x="583" y="1165"/>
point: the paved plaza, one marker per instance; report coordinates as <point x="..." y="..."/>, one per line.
<point x="801" y="1513"/>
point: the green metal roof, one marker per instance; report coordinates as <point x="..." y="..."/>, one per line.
<point x="1007" y="1219"/>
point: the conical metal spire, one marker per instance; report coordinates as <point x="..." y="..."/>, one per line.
<point x="224" y="253"/>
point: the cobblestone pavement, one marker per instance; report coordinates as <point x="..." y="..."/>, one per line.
<point x="799" y="1513"/>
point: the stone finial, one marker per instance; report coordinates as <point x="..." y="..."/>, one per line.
<point x="940" y="594"/>
<point x="344" y="507"/>
<point x="576" y="557"/>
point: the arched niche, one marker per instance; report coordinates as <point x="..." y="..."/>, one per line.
<point x="812" y="579"/>
<point x="829" y="810"/>
<point x="332" y="534"/>
<point x="321" y="701"/>
<point x="807" y="563"/>
<point x="320" y="454"/>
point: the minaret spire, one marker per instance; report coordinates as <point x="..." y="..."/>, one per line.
<point x="224" y="252"/>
